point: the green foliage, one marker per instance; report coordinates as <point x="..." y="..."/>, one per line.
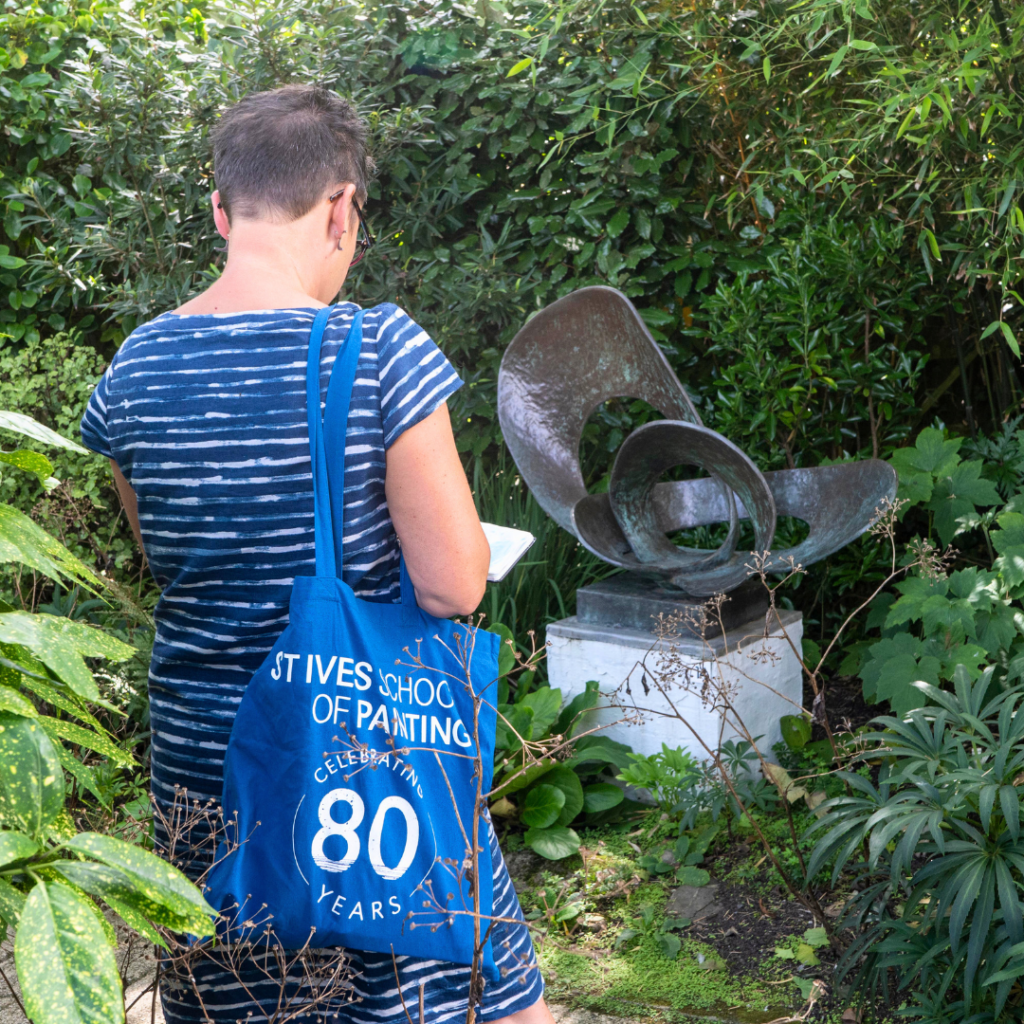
<point x="53" y="881"/>
<point x="550" y="796"/>
<point x="647" y="926"/>
<point x="789" y="373"/>
<point x="934" y="851"/>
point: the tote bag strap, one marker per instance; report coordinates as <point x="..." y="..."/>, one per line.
<point x="327" y="435"/>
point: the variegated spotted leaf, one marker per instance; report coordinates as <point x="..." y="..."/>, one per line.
<point x="19" y="423"/>
<point x="12" y="903"/>
<point x="120" y="893"/>
<point x="151" y="877"/>
<point x="30" y="462"/>
<point x="31" y="779"/>
<point x="12" y="701"/>
<point x="60" y="644"/>
<point x="91" y="739"/>
<point x="15" y="846"/>
<point x="67" y="969"/>
<point x="23" y="541"/>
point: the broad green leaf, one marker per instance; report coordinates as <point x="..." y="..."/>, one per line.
<point x="669" y="945"/>
<point x="515" y="726"/>
<point x="16" y="846"/>
<point x="545" y="703"/>
<point x="542" y="806"/>
<point x="805" y="955"/>
<point x="690" y="875"/>
<point x="796" y="731"/>
<point x="31" y="780"/>
<point x="60" y="644"/>
<point x="506" y="652"/>
<point x="136" y="921"/>
<point x="1011" y="338"/>
<point x="569" y="721"/>
<point x="932" y="453"/>
<point x="958" y="493"/>
<point x="617" y="224"/>
<point x="19" y="423"/>
<point x="896" y="679"/>
<point x="517" y="777"/>
<point x="766" y="68"/>
<point x="600" y="749"/>
<point x="816" y="937"/>
<point x="67" y="970"/>
<point x="553" y="843"/>
<point x="601" y="796"/>
<point x="569" y="783"/>
<point x="30" y="462"/>
<point x="915" y="591"/>
<point x="22" y="541"/>
<point x="152" y="877"/>
<point x="520" y="66"/>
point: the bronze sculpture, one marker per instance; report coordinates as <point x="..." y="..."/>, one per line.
<point x="591" y="346"/>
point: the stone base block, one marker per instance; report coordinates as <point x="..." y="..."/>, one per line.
<point x="762" y="676"/>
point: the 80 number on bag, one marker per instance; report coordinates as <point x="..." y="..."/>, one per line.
<point x="347" y="831"/>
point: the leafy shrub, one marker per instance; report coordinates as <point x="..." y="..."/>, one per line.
<point x="547" y="794"/>
<point x="935" y="853"/>
<point x="53" y="879"/>
<point x="685" y="788"/>
<point x="51" y="379"/>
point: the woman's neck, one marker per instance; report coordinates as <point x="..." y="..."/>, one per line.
<point x="268" y="267"/>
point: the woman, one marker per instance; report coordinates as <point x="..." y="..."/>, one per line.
<point x="203" y="415"/>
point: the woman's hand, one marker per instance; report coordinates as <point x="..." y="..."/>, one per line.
<point x="432" y="508"/>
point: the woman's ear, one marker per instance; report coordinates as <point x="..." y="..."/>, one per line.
<point x="220" y="217"/>
<point x="342" y="214"/>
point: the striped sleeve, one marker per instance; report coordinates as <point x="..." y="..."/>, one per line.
<point x="93" y="428"/>
<point x="415" y="376"/>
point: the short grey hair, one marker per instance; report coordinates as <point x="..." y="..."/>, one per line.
<point x="279" y="152"/>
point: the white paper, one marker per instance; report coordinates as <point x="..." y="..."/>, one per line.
<point x="507" y="547"/>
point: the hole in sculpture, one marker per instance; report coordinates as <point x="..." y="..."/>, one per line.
<point x="605" y="430"/>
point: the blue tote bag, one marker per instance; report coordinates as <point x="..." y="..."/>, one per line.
<point x="349" y="778"/>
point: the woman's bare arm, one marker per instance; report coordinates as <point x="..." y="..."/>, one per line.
<point x="128" y="500"/>
<point x="432" y="508"/>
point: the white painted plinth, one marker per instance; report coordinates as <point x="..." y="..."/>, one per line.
<point x="763" y="678"/>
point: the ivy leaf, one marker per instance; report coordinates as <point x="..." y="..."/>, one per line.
<point x="60" y="644"/>
<point x="67" y="970"/>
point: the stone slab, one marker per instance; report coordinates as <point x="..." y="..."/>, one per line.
<point x="694" y="902"/>
<point x="631" y="601"/>
<point x="763" y="676"/>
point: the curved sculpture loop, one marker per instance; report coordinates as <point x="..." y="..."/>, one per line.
<point x="591" y="346"/>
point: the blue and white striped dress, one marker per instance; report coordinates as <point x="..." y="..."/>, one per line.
<point x="206" y="418"/>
